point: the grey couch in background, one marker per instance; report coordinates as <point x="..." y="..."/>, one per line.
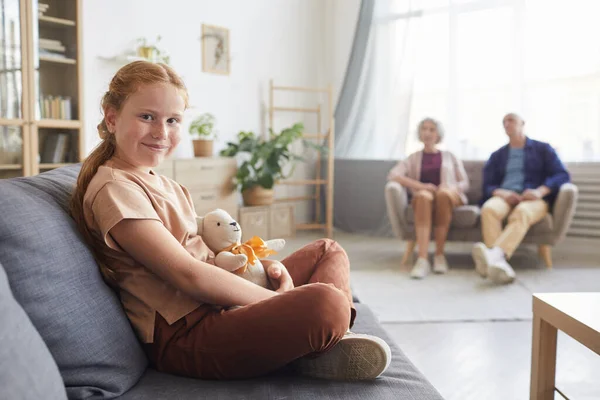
<point x="466" y="227"/>
<point x="64" y="333"/>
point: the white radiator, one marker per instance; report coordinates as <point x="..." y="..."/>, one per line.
<point x="586" y="222"/>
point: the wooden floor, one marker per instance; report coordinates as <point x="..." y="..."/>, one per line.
<point x="491" y="360"/>
<point x="481" y="360"/>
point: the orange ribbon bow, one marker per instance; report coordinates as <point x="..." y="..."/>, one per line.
<point x="254" y="249"/>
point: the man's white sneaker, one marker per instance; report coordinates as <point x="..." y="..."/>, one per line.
<point x="484" y="257"/>
<point x="355" y="357"/>
<point x="440" y="265"/>
<point x="500" y="271"/>
<point x="421" y="269"/>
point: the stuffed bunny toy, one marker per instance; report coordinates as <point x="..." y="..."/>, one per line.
<point x="222" y="234"/>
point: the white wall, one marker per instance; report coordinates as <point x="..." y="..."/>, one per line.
<point x="279" y="39"/>
<point x="339" y="32"/>
<point x="293" y="42"/>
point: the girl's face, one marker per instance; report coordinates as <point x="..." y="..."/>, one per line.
<point x="429" y="134"/>
<point x="147" y="128"/>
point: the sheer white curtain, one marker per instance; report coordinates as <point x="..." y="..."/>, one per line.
<point x="536" y="57"/>
<point x="377" y="123"/>
<point x="469" y="62"/>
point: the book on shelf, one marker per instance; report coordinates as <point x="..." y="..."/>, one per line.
<point x="42" y="8"/>
<point x="51" y="54"/>
<point x="72" y="155"/>
<point x="56" y="148"/>
<point x="55" y="107"/>
<point x="51" y="45"/>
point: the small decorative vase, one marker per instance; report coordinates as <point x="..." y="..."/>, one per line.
<point x="146" y="52"/>
<point x="203" y="148"/>
<point x="257" y="196"/>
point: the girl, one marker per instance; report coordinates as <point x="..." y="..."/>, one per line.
<point x="142" y="229"/>
<point x="438" y="182"/>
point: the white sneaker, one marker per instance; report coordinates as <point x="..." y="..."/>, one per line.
<point x="355" y="357"/>
<point x="440" y="265"/>
<point x="484" y="257"/>
<point x="421" y="269"/>
<point x="500" y="271"/>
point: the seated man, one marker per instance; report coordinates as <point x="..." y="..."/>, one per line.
<point x="521" y="181"/>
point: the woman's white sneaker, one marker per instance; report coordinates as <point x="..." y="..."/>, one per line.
<point x="355" y="357"/>
<point x="421" y="269"/>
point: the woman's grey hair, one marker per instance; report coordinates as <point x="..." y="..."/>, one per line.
<point x="438" y="127"/>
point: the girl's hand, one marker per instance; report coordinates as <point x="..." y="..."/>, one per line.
<point x="278" y="275"/>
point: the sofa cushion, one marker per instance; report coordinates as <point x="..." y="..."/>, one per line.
<point x="401" y="381"/>
<point x="474" y="171"/>
<point x="27" y="370"/>
<point x="462" y="217"/>
<point x="54" y="277"/>
<point x="544" y="227"/>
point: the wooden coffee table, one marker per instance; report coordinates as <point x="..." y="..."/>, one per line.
<point x="577" y="315"/>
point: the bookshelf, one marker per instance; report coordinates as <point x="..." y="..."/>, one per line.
<point x="41" y="89"/>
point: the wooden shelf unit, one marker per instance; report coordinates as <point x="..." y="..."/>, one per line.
<point x="10" y="167"/>
<point x="36" y="72"/>
<point x="52" y="166"/>
<point x="56" y="21"/>
<point x="323" y="185"/>
<point x="58" y="123"/>
<point x="58" y="60"/>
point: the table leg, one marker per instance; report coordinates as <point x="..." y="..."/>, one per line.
<point x="543" y="360"/>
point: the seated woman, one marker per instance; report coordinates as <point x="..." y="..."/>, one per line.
<point x="437" y="181"/>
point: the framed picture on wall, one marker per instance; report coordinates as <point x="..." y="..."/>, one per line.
<point x="215" y="49"/>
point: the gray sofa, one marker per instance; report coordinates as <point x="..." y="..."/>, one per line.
<point x="64" y="333"/>
<point x="466" y="227"/>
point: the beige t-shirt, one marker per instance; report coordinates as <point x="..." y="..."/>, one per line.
<point x="117" y="192"/>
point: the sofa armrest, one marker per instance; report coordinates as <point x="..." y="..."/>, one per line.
<point x="396" y="200"/>
<point x="564" y="208"/>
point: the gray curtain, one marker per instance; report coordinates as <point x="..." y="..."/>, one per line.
<point x="357" y="190"/>
<point x="371" y="118"/>
<point x="359" y="65"/>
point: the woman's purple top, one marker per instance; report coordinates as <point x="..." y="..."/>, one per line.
<point x="431" y="167"/>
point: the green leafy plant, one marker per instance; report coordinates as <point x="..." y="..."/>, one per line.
<point x="156" y="54"/>
<point x="266" y="159"/>
<point x="203" y="127"/>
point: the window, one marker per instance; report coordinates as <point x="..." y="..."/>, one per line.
<point x="476" y="60"/>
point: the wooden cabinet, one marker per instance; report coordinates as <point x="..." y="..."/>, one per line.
<point x="209" y="181"/>
<point x="254" y="222"/>
<point x="268" y="222"/>
<point x="41" y="96"/>
<point x="281" y="221"/>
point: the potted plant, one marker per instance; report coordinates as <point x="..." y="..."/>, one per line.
<point x="265" y="162"/>
<point x="203" y="134"/>
<point x="151" y="51"/>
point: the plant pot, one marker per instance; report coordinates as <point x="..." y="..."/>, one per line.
<point x="257" y="196"/>
<point x="146" y="52"/>
<point x="203" y="148"/>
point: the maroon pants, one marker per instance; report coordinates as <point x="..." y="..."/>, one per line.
<point x="263" y="336"/>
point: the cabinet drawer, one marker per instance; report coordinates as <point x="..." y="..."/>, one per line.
<point x="165" y="169"/>
<point x="209" y="198"/>
<point x="281" y="221"/>
<point x="255" y="223"/>
<point x="205" y="171"/>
